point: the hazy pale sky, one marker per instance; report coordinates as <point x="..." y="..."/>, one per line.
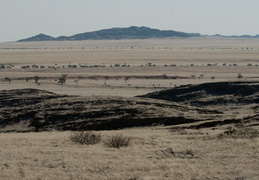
<point x="25" y="18"/>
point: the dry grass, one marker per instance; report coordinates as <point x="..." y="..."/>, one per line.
<point x="153" y="153"/>
<point x="84" y="137"/>
<point x="118" y="141"/>
<point x="51" y="155"/>
<point x="239" y="132"/>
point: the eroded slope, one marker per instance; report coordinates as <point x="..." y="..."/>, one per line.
<point x="237" y="100"/>
<point x="32" y="109"/>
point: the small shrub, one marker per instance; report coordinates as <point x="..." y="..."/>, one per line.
<point x="239" y="76"/>
<point x="164" y="76"/>
<point x="84" y="137"/>
<point x="118" y="141"/>
<point x="8" y="79"/>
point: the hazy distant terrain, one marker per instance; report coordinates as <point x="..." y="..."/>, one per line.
<point x="132" y="32"/>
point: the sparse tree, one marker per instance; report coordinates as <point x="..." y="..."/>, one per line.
<point x="126" y="79"/>
<point x="36" y="79"/>
<point x="106" y="78"/>
<point x="8" y="79"/>
<point x="164" y="76"/>
<point x="34" y="66"/>
<point x="212" y="77"/>
<point x="239" y="76"/>
<point x="149" y="64"/>
<point x="62" y="79"/>
<point x="76" y="81"/>
<point x="193" y="76"/>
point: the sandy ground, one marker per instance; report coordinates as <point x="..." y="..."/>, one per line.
<point x="221" y="58"/>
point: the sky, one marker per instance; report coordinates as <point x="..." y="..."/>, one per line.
<point x="21" y="19"/>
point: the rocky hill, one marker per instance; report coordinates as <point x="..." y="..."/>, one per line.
<point x="208" y="105"/>
<point x="32" y="109"/>
<point x="40" y="37"/>
<point x="132" y="32"/>
<point x="236" y="100"/>
<point x="211" y="94"/>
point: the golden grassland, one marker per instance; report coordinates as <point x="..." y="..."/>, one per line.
<point x="198" y="154"/>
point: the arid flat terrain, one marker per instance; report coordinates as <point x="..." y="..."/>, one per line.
<point x="127" y="67"/>
<point x="189" y="107"/>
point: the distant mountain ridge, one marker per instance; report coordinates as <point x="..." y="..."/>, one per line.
<point x="39" y="37"/>
<point x="132" y="32"/>
<point x="241" y="36"/>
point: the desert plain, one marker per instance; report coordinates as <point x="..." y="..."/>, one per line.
<point x="221" y="144"/>
<point x="139" y="60"/>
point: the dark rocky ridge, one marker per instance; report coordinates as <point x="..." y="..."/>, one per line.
<point x="192" y="106"/>
<point x="132" y="32"/>
<point x="211" y="94"/>
<point x="239" y="101"/>
<point x="41" y="110"/>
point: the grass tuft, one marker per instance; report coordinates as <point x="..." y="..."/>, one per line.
<point x="118" y="141"/>
<point x="85" y="137"/>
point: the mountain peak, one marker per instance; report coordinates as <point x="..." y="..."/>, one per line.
<point x="132" y="32"/>
<point x="39" y="37"/>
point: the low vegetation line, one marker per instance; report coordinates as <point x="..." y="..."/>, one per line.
<point x="102" y="77"/>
